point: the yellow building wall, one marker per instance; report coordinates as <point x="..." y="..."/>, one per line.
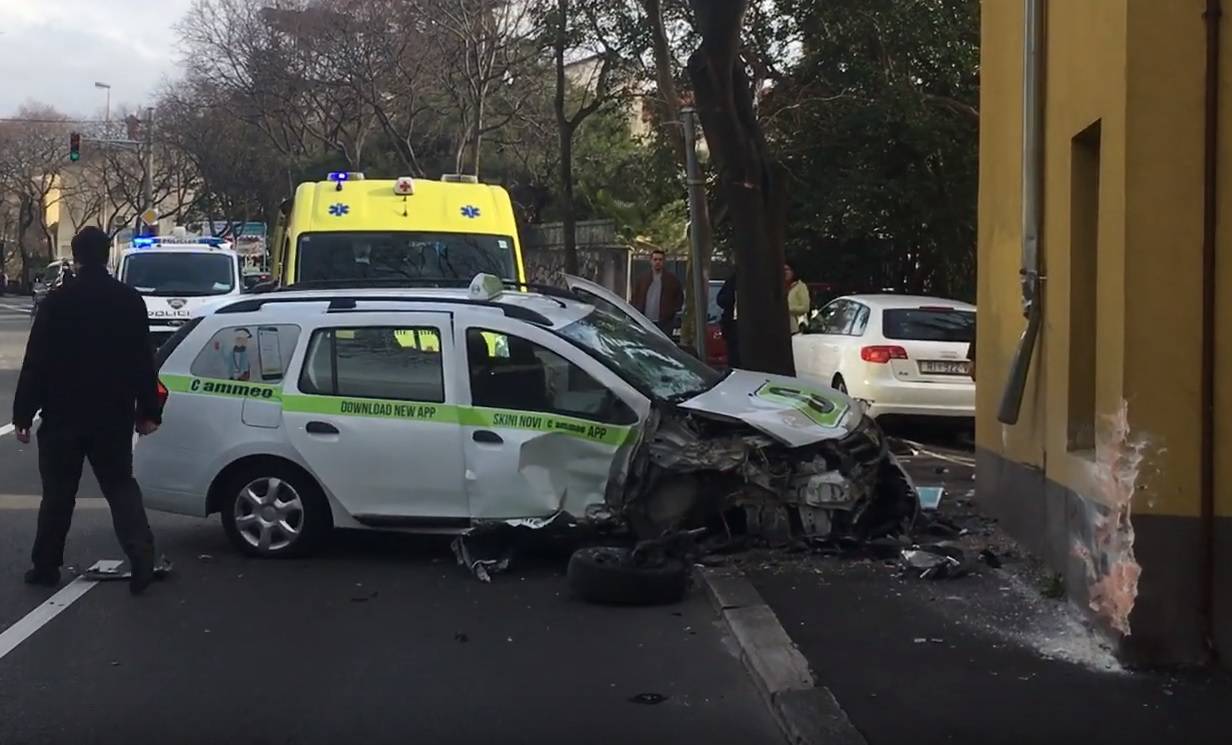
<point x="1085" y="72"/>
<point x="1000" y="235"/>
<point x="1137" y="67"/>
<point x="1085" y="84"/>
<point x="1164" y="246"/>
<point x="1223" y="286"/>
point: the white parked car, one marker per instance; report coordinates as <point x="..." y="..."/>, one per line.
<point x="439" y="410"/>
<point x="901" y="355"/>
<point x="176" y="277"/>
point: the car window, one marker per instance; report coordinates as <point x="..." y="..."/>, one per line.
<point x="653" y="365"/>
<point x="929" y="324"/>
<point x="835" y="318"/>
<point x="401" y="364"/>
<point x="509" y="372"/>
<point x="861" y="324"/>
<point x="713" y="312"/>
<point x="602" y="303"/>
<point x="184" y="274"/>
<point x="164" y="351"/>
<point x="256" y="353"/>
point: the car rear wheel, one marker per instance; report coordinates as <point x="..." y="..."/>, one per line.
<point x="272" y="510"/>
<point x="607" y="575"/>
<point x="839" y="384"/>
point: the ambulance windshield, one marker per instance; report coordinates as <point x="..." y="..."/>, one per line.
<point x="390" y="256"/>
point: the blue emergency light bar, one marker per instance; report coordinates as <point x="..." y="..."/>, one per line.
<point x="157" y="240"/>
<point x="338" y="176"/>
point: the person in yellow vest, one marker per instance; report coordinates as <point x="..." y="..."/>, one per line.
<point x="798" y="300"/>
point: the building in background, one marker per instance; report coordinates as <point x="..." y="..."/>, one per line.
<point x="1102" y="473"/>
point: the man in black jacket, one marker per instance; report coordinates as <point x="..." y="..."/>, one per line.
<point x="89" y="370"/>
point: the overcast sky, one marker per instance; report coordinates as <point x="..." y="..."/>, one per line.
<point x="53" y="51"/>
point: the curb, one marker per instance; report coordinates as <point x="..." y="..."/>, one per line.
<point x="807" y="713"/>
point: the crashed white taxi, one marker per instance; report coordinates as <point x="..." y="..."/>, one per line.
<point x="452" y="410"/>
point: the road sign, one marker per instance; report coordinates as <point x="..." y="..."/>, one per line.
<point x="149" y="217"/>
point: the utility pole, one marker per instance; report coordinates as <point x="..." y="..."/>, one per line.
<point x="106" y="87"/>
<point x="147" y="176"/>
<point x="699" y="229"/>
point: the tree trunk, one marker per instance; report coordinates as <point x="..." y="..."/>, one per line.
<point x="25" y="218"/>
<point x="564" y="128"/>
<point x="749" y="182"/>
<point x="568" y="215"/>
<point x="664" y="77"/>
<point x="669" y="101"/>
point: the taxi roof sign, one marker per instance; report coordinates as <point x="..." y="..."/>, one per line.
<point x="485" y="287"/>
<point x="404" y="186"/>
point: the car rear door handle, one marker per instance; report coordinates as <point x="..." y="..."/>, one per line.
<point x="487" y="437"/>
<point x="321" y="428"/>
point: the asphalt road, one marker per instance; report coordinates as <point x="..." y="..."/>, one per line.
<point x="380" y="640"/>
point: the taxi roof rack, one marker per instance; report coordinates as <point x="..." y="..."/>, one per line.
<point x="349" y="304"/>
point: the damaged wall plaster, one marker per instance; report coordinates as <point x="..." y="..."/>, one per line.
<point x="1108" y="553"/>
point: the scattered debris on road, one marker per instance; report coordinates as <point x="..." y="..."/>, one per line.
<point x="649" y="699"/>
<point x="110" y="570"/>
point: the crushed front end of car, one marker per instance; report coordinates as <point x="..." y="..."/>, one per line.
<point x="706" y="469"/>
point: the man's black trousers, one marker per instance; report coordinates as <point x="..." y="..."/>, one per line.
<point x="62" y="452"/>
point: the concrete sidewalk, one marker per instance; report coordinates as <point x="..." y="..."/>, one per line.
<point x="967" y="660"/>
<point x="849" y="648"/>
<point x="984" y="658"/>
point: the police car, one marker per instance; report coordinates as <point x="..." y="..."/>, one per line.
<point x="176" y="275"/>
<point x="439" y="410"/>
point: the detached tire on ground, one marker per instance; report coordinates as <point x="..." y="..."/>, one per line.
<point x="604" y="574"/>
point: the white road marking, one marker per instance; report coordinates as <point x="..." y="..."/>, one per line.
<point x="15" y="308"/>
<point x="31" y="502"/>
<point x="36" y="619"/>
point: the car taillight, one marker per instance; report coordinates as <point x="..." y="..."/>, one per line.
<point x="162" y="394"/>
<point x="882" y="355"/>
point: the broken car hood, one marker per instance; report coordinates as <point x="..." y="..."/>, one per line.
<point x="796" y="411"/>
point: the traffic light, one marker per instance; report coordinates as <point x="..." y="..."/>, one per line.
<point x="74" y="147"/>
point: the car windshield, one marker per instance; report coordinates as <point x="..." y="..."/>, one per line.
<point x="333" y="257"/>
<point x="713" y="311"/>
<point x="647" y="361"/>
<point x="183" y="274"/>
<point x="929" y="324"/>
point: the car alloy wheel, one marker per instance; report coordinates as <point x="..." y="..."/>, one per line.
<point x="269" y="515"/>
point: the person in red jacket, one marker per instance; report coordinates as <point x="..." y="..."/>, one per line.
<point x="658" y="293"/>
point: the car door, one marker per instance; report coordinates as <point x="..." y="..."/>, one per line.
<point x="547" y="428"/>
<point x="817" y="352"/>
<point x="606" y="300"/>
<point x="373" y="414"/>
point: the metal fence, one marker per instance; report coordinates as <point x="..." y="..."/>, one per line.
<point x="602" y="258"/>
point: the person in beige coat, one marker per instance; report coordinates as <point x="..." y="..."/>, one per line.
<point x="798" y="300"/>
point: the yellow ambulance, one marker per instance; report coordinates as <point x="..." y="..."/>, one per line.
<point x="349" y="231"/>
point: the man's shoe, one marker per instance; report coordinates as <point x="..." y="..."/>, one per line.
<point x="143" y="575"/>
<point x="44" y="577"/>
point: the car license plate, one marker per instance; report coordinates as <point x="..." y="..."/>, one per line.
<point x="945" y="367"/>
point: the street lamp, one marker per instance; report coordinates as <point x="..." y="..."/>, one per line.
<point x="106" y="87"/>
